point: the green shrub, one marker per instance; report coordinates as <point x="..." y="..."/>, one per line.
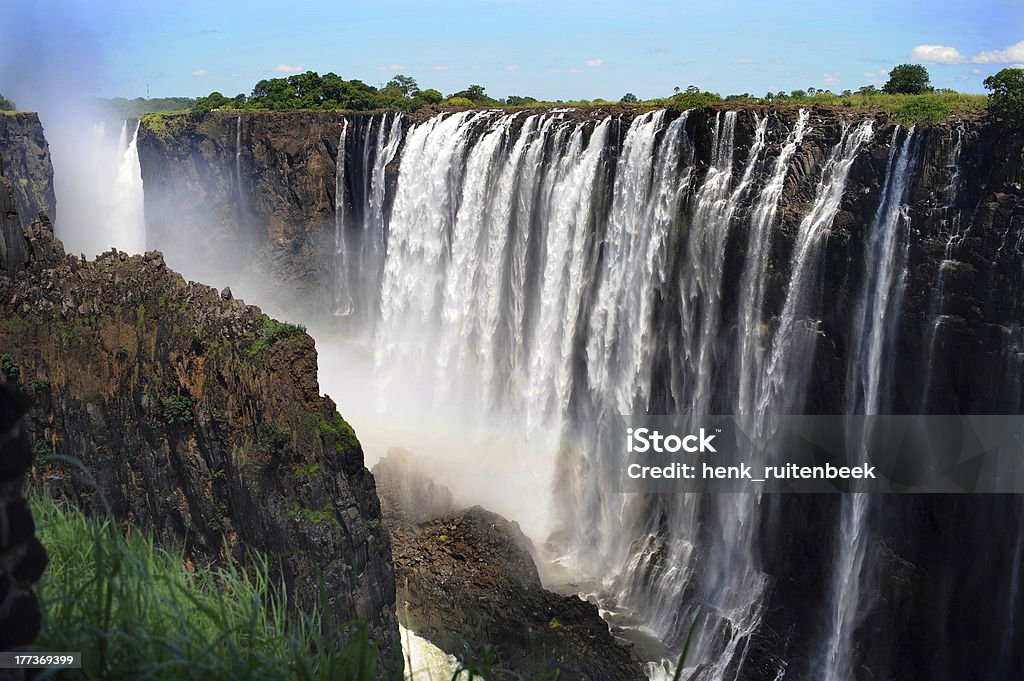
<point x="178" y="408"/>
<point x="273" y="332"/>
<point x="337" y="434"/>
<point x="136" y="612"/>
<point x="458" y="101"/>
<point x="9" y="367"/>
<point x="921" y="109"/>
<point x="274" y="442"/>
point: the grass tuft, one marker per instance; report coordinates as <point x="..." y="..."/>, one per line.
<point x="136" y="611"/>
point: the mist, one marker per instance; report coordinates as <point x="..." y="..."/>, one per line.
<point x="50" y="62"/>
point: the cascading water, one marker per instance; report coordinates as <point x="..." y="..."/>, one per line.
<point x="127" y="223"/>
<point x="515" y="257"/>
<point x="343" y="302"/>
<point x="534" y="275"/>
<point x="360" y="236"/>
<point x="884" y="274"/>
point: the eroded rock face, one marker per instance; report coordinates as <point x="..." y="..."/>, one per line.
<point x="467" y="582"/>
<point x="200" y="419"/>
<point x="25" y="160"/>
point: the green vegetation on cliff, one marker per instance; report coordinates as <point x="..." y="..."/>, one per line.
<point x="1007" y="99"/>
<point x="907" y="97"/>
<point x="6" y="104"/>
<point x="136" y="610"/>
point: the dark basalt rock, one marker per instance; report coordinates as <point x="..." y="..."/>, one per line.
<point x="25" y="160"/>
<point x="468" y="583"/>
<point x="197" y="423"/>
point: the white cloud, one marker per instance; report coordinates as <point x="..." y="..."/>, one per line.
<point x="745" y="60"/>
<point x="552" y="70"/>
<point x="778" y="61"/>
<point x="575" y="70"/>
<point x="287" y="68"/>
<point x="595" y="62"/>
<point x="200" y="72"/>
<point x="831" y="78"/>
<point x="876" y="76"/>
<point x="511" y="67"/>
<point x="1013" y="53"/>
<point x="390" y="68"/>
<point x="937" y="54"/>
<point x="476" y="67"/>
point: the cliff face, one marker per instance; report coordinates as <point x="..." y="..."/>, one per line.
<point x="25" y="161"/>
<point x="260" y="187"/>
<point x="198" y="418"/>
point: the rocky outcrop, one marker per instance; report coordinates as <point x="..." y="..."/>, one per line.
<point x="198" y="419"/>
<point x="467" y="582"/>
<point x="25" y="161"/>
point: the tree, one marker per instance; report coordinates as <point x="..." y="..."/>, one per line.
<point x="798" y="94"/>
<point x="6" y="104"/>
<point x="459" y="101"/>
<point x="516" y="100"/>
<point x="215" y="100"/>
<point x="474" y="93"/>
<point x="908" y="79"/>
<point x="405" y="84"/>
<point x="629" y="98"/>
<point x="1007" y="98"/>
<point x="428" y="97"/>
<point x="868" y="90"/>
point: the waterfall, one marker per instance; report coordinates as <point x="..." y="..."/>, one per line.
<point x="750" y="327"/>
<point x="884" y="274"/>
<point x="794" y="341"/>
<point x="527" y="259"/>
<point x="343" y="302"/>
<point x="126" y="215"/>
<point x="540" y="274"/>
<point x="238" y="155"/>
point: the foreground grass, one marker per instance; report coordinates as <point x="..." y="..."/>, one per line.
<point x="135" y="612"/>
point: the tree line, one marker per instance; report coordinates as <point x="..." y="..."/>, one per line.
<point x="311" y="90"/>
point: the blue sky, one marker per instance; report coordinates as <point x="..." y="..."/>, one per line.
<point x="564" y="49"/>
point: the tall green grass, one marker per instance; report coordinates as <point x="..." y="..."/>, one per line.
<point x="136" y="612"/>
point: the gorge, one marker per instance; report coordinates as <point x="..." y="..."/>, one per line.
<point x="490" y="288"/>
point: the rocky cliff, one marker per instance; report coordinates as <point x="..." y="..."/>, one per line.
<point x="258" y="186"/>
<point x="197" y="418"/>
<point x="25" y="161"/>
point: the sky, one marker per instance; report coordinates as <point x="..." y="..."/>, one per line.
<point x="554" y="49"/>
